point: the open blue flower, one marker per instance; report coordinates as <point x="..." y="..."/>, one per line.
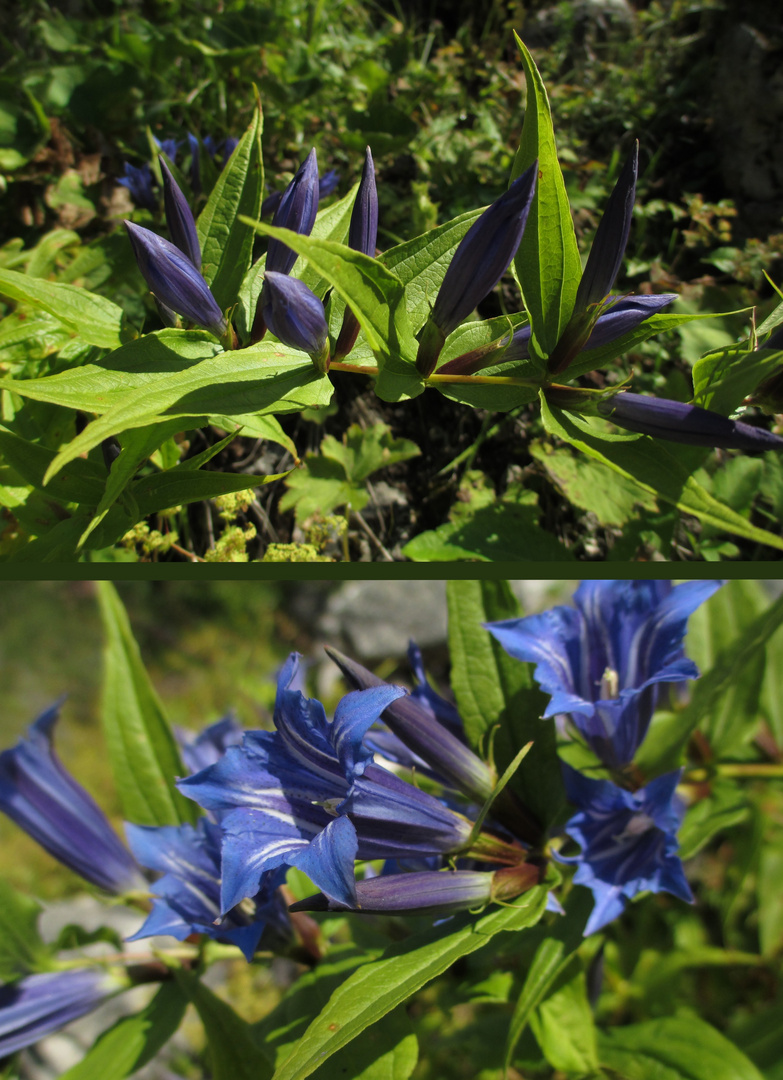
<point x="628" y="840"/>
<point x="42" y="798"/>
<point x="209" y="745"/>
<point x="603" y="662"/>
<point x="308" y="795"/>
<point x="187" y="897"/>
<point x="38" y="1005"/>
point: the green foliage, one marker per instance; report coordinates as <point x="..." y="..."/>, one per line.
<point x="336" y="477"/>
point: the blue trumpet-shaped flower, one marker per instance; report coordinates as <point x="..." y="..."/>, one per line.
<point x="179" y="218"/>
<point x="604" y="661"/>
<point x="308" y="795"/>
<point x="187" y="896"/>
<point x="38" y="1005"/>
<point x="174" y="280"/>
<point x="362" y="236"/>
<point x="40" y="796"/>
<point x="139" y="181"/>
<point x="296" y="316"/>
<point x="628" y="840"/>
<point x="678" y="422"/>
<point x="209" y="745"/>
<point x="296" y="211"/>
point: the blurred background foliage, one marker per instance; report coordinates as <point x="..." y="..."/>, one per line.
<point x="436" y="88"/>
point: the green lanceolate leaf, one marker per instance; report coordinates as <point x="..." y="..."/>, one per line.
<point x="722" y="379"/>
<point x="134" y="1040"/>
<point x="547" y="263"/>
<point x="226" y="240"/>
<point x="730" y="667"/>
<point x="377" y="298"/>
<point x="182" y="486"/>
<point x="378" y="987"/>
<point x="673" y="1048"/>
<point x="496" y="696"/>
<point x="657" y="469"/>
<point x="83" y="481"/>
<point x="142" y="750"/>
<point x="139" y="365"/>
<point x="93" y="318"/>
<point x="263" y="378"/>
<point x="234" y="1053"/>
<point x="21" y="948"/>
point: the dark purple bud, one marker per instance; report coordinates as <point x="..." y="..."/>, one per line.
<point x="363" y="231"/>
<point x="295" y="315"/>
<point x="173" y="279"/>
<point x="138" y="181"/>
<point x="608" y="249"/>
<point x="296" y="211"/>
<point x="430" y="892"/>
<point x="416" y="726"/>
<point x="111" y="450"/>
<point x="624" y="316"/>
<point x="513" y="347"/>
<point x="479" y="263"/>
<point x="179" y="218"/>
<point x="677" y="422"/>
<point x="362" y="236"/>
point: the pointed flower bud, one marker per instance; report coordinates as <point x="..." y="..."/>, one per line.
<point x="429" y="892"/>
<point x="362" y="236"/>
<point x="296" y="211"/>
<point x="415" y="724"/>
<point x="295" y="315"/>
<point x="179" y="218"/>
<point x="479" y="262"/>
<point x="173" y="279"/>
<point x="678" y="422"/>
<point x="608" y="248"/>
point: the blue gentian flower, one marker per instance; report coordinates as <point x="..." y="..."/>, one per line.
<point x="308" y="795"/>
<point x="362" y="236"/>
<point x="42" y="798"/>
<point x="170" y="147"/>
<point x="139" y="183"/>
<point x="208" y="746"/>
<point x="483" y="256"/>
<point x="628" y="840"/>
<point x="678" y="422"/>
<point x="187" y="897"/>
<point x="414" y="722"/>
<point x="174" y="280"/>
<point x="296" y="316"/>
<point x="38" y="1005"/>
<point x="429" y="892"/>
<point x="604" y="661"/>
<point x="179" y="218"/>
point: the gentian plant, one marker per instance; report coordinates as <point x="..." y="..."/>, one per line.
<point x="252" y="334"/>
<point x="540" y="814"/>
